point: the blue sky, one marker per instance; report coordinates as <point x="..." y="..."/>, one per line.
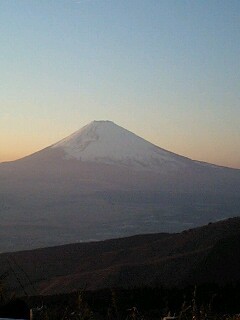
<point x="167" y="70"/>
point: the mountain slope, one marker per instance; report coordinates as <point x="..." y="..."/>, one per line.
<point x="179" y="259"/>
<point x="104" y="182"/>
<point x="106" y="142"/>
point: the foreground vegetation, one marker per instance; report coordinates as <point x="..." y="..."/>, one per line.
<point x="199" y="303"/>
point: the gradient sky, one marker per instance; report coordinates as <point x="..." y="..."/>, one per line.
<point x="167" y="70"/>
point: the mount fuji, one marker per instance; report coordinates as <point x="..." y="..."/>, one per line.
<point x="104" y="181"/>
<point x="106" y="142"/>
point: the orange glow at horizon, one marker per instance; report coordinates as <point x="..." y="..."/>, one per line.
<point x="11" y="151"/>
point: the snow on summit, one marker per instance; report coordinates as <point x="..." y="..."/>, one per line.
<point x="106" y="142"/>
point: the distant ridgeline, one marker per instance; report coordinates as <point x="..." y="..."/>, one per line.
<point x="208" y="254"/>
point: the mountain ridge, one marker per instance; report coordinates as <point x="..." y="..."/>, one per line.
<point x="140" y="260"/>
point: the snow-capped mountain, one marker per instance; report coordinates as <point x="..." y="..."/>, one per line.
<point x="106" y="142"/>
<point x="104" y="181"/>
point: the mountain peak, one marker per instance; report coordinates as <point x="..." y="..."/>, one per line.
<point x="105" y="142"/>
<point x="99" y="123"/>
<point x="102" y="121"/>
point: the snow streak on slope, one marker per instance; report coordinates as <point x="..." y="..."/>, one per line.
<point x="106" y="142"/>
